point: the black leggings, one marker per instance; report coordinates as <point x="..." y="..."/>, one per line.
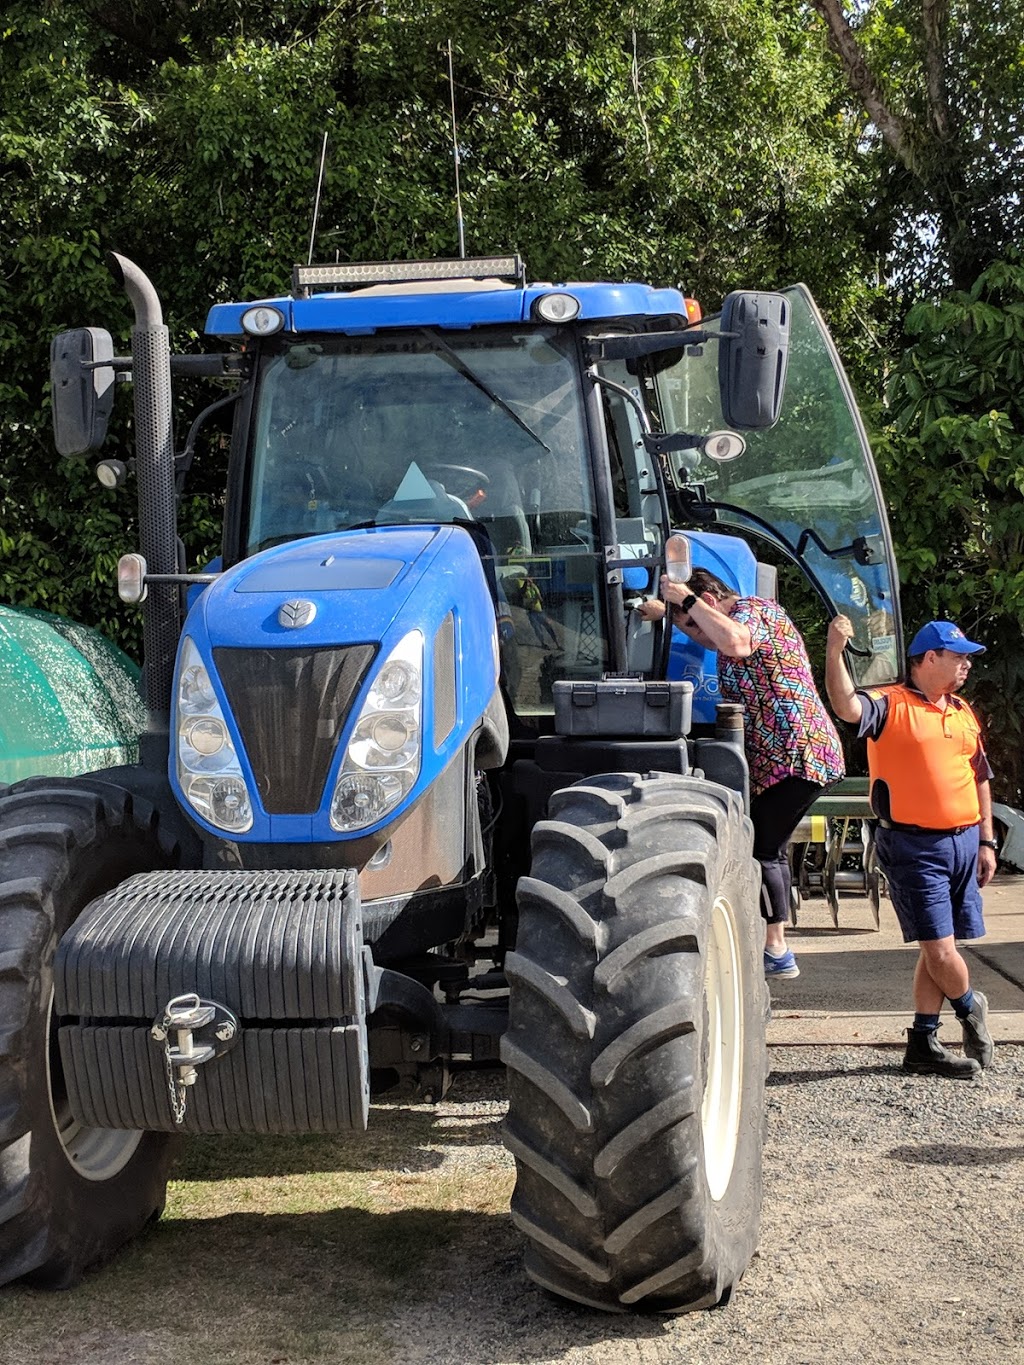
<point x="775" y="813"/>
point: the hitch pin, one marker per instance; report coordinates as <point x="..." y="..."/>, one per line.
<point x="184" y="1014"/>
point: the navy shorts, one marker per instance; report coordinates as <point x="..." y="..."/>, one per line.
<point x="933" y="883"/>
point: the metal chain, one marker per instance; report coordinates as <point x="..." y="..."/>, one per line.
<point x="176" y="1091"/>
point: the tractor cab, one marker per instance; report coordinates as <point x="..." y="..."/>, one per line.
<point x="483" y="428"/>
<point x="569" y="431"/>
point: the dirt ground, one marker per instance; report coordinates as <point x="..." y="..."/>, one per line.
<point x="892" y="1231"/>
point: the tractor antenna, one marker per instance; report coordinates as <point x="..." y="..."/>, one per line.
<point x="316" y="201"/>
<point x="455" y="152"/>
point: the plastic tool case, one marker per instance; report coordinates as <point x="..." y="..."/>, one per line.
<point x="623" y="706"/>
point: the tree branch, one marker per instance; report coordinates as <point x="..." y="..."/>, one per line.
<point x="862" y="79"/>
<point x="934" y="21"/>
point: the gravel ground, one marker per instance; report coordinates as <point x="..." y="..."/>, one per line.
<point x="892" y="1231"/>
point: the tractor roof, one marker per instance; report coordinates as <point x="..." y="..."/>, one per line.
<point x="355" y="303"/>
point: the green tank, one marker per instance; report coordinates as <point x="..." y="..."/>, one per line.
<point x="69" y="699"/>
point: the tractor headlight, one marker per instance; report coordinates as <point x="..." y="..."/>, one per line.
<point x="204" y="735"/>
<point x="556" y="307"/>
<point x="382" y="761"/>
<point x="263" y="320"/>
<point x="207" y="765"/>
<point x="224" y="801"/>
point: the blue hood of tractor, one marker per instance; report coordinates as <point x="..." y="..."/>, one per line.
<point x="358" y="580"/>
<point x="366" y="588"/>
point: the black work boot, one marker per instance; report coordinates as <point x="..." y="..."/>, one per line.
<point x="977" y="1039"/>
<point x="926" y="1056"/>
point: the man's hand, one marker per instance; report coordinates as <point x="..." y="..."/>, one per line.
<point x="987" y="864"/>
<point x="840" y="633"/>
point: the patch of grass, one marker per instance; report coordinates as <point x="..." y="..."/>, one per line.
<point x="279" y="1251"/>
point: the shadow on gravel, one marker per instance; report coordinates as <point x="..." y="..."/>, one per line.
<point x="941" y="1154"/>
<point x="830" y="931"/>
<point x="407" y="1142"/>
<point x="835" y="1074"/>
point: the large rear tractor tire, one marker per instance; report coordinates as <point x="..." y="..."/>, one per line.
<point x="636" y="1045"/>
<point x="69" y="1195"/>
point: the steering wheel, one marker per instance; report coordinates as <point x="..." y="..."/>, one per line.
<point x="466" y="478"/>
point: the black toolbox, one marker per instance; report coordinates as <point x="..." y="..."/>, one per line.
<point x="623" y="707"/>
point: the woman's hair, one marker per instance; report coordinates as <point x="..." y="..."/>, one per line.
<point x="703" y="581"/>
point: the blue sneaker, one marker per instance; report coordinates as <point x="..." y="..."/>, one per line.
<point x="780" y="966"/>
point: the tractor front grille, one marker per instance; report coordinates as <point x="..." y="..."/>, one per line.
<point x="290" y="706"/>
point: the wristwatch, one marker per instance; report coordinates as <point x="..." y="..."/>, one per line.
<point x="989" y="843"/>
<point x="687" y="604"/>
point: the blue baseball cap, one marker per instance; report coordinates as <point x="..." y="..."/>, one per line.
<point x="942" y="635"/>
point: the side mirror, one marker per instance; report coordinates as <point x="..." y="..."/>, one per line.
<point x="82" y="378"/>
<point x="752" y="358"/>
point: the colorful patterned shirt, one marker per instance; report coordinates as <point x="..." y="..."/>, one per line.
<point x="788" y="731"/>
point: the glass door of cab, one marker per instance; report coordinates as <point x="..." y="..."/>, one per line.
<point x="808" y="485"/>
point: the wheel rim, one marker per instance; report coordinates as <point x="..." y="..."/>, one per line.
<point x="723" y="994"/>
<point x="94" y="1153"/>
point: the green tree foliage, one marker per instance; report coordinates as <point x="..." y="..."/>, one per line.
<point x="957" y="441"/>
<point x="941" y="86"/>
<point x="703" y="143"/>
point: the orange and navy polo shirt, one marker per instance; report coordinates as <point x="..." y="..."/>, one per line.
<point x="924" y="762"/>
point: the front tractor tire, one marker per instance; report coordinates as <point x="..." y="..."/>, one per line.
<point x="69" y="1195"/>
<point x="636" y="1045"/>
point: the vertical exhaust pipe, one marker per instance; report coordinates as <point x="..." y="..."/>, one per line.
<point x="154" y="468"/>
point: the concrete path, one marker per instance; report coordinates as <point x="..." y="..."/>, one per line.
<point x="855" y="981"/>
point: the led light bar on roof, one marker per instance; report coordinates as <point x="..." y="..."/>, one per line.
<point x="306" y="278"/>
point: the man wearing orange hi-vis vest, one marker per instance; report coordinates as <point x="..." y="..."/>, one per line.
<point x="930" y="789"/>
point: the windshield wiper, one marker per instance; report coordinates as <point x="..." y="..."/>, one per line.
<point x="457" y="363"/>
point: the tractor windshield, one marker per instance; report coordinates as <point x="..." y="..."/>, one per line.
<point x="485" y="429"/>
<point x="808" y="484"/>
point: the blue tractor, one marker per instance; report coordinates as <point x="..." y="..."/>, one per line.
<point x="418" y="787"/>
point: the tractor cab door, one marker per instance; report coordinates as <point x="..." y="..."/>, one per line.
<point x="808" y="485"/>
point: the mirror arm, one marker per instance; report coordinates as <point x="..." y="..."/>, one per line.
<point x="220" y="365"/>
<point x="213" y="364"/>
<point x="662" y="442"/>
<point x="117" y="363"/>
<point x="633" y="345"/>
